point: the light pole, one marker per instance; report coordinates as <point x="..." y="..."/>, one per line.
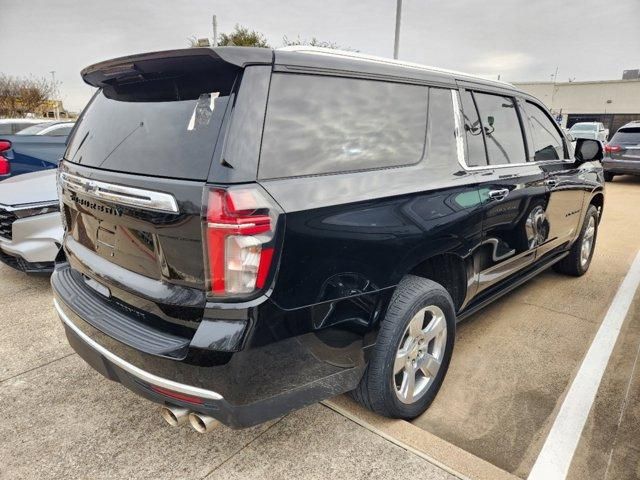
<point x="54" y="93"/>
<point x="214" y="21"/>
<point x="396" y="43"/>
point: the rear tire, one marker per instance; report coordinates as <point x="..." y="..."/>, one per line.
<point x="579" y="259"/>
<point x="416" y="339"/>
<point x="608" y="177"/>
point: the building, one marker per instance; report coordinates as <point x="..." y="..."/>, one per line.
<point x="55" y="109"/>
<point x="612" y="102"/>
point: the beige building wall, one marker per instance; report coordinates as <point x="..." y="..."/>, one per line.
<point x="610" y="96"/>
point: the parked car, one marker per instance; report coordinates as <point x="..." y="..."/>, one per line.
<point x="594" y="130"/>
<point x="622" y="153"/>
<point x="49" y="129"/>
<point x="38" y="147"/>
<point x="11" y="126"/>
<point x="320" y="233"/>
<point x="30" y="223"/>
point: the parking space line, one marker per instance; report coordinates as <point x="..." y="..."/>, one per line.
<point x="556" y="455"/>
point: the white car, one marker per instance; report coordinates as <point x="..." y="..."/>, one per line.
<point x="592" y="130"/>
<point x="49" y="129"/>
<point x="30" y="222"/>
<point x="11" y="126"/>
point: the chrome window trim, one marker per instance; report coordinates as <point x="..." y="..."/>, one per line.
<point x="459" y="123"/>
<point x="120" y="194"/>
<point x="132" y="369"/>
<point x="460" y="143"/>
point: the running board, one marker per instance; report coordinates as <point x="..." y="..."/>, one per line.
<point x="513" y="283"/>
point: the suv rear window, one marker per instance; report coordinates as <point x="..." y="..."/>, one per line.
<point x="319" y="124"/>
<point x="627" y="135"/>
<point x="172" y="139"/>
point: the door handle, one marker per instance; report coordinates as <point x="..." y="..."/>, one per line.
<point x="499" y="194"/>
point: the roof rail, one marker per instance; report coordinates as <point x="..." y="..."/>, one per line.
<point x="381" y="60"/>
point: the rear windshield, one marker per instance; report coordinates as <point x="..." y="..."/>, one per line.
<point x="627" y="135"/>
<point x="584" y="127"/>
<point x="174" y="139"/>
<point x="34" y="129"/>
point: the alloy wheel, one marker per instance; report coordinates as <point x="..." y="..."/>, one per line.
<point x="587" y="242"/>
<point x="420" y="354"/>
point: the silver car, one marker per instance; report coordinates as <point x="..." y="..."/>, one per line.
<point x="30" y="222"/>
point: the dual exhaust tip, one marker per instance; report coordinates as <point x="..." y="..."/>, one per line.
<point x="176" y="416"/>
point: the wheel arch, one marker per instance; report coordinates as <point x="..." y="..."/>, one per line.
<point x="447" y="269"/>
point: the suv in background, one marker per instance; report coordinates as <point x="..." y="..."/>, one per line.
<point x="249" y="231"/>
<point x="622" y="153"/>
<point x="593" y="130"/>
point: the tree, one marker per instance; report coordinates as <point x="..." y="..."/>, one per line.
<point x="22" y="95"/>
<point x="243" y="37"/>
<point x="314" y="42"/>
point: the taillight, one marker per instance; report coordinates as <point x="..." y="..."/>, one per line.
<point x="240" y="234"/>
<point x="608" y="148"/>
<point x="5" y="166"/>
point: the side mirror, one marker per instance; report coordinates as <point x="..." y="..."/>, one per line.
<point x="588" y="150"/>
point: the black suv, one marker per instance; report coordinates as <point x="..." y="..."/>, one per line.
<point x="249" y="231"/>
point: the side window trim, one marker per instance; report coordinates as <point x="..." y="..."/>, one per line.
<point x="462" y="158"/>
<point x="456" y="104"/>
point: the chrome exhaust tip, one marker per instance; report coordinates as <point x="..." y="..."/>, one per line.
<point x="202" y="423"/>
<point x="175" y="416"/>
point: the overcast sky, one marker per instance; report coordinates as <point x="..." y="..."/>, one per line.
<point x="519" y="39"/>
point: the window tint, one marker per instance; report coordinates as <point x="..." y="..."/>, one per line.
<point x="441" y="138"/>
<point x="318" y="124"/>
<point x="501" y="128"/>
<point x="476" y="155"/>
<point x="546" y="141"/>
<point x="172" y="139"/>
<point x="6" y="129"/>
<point x="627" y="135"/>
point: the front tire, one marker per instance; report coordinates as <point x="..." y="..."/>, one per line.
<point x="412" y="352"/>
<point x="578" y="261"/>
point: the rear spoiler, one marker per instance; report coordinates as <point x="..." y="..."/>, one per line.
<point x="183" y="73"/>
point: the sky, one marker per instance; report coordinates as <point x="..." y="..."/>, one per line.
<point x="520" y="40"/>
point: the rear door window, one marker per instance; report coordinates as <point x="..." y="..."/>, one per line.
<point x="546" y="140"/>
<point x="320" y="124"/>
<point x="476" y="153"/>
<point x="502" y="129"/>
<point x="174" y="138"/>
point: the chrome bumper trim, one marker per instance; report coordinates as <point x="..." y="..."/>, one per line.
<point x="132" y="369"/>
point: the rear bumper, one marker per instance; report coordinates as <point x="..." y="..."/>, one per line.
<point x="264" y="380"/>
<point x="619" y="166"/>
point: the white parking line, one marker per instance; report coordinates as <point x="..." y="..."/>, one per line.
<point x="557" y="452"/>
